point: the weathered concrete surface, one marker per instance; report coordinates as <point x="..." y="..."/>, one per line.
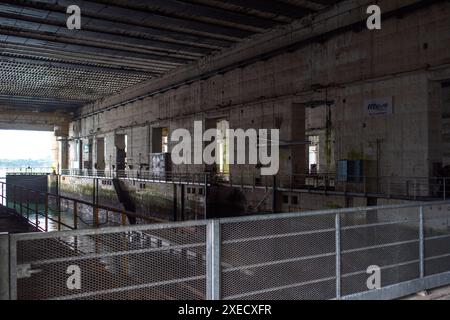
<point x="159" y="200"/>
<point x="164" y="201"/>
<point x="435" y="294"/>
<point x="406" y="60"/>
<point x="25" y="120"/>
<point x="37" y="183"/>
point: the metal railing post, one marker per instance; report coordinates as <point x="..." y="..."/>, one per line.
<point x="389" y="187"/>
<point x="75" y="215"/>
<point x="445" y="189"/>
<point x="205" y="195"/>
<point x="415" y="189"/>
<point x="21" y="204"/>
<point x="421" y="242"/>
<point x="96" y="217"/>
<point x="14" y="198"/>
<point x="124" y="218"/>
<point x="28" y="204"/>
<point x="37" y="211"/>
<point x="213" y="255"/>
<point x="4" y="267"/>
<point x="338" y="255"/>
<point x="46" y="212"/>
<point x="59" y="211"/>
<point x="365" y="185"/>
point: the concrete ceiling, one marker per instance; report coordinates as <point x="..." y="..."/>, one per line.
<point x="45" y="67"/>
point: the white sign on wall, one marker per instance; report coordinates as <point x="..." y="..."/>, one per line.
<point x="379" y="106"/>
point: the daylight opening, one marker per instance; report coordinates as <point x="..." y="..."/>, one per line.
<point x="27" y="150"/>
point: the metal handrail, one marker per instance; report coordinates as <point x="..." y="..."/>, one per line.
<point x="218" y="268"/>
<point x="47" y="195"/>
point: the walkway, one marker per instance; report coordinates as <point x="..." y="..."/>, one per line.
<point x="12" y="224"/>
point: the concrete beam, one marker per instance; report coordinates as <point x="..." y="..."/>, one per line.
<point x="344" y="16"/>
<point x="32" y="121"/>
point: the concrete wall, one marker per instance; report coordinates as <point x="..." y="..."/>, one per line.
<point x="34" y="182"/>
<point x="152" y="199"/>
<point x="398" y="61"/>
<point x="165" y="201"/>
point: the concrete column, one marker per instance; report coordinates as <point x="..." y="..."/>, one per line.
<point x="63" y="154"/>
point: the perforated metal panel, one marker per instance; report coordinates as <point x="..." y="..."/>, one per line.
<point x="71" y="84"/>
<point x="145" y="263"/>
<point x="323" y="255"/>
<point x="279" y="259"/>
<point x="437" y="239"/>
<point x="388" y="239"/>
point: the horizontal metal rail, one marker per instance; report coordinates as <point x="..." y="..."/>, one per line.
<point x="26" y="202"/>
<point x="231" y="256"/>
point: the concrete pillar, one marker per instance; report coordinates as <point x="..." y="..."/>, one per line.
<point x="63" y="154"/>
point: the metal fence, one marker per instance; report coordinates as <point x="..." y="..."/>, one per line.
<point x="160" y="177"/>
<point x="52" y="212"/>
<point x="26" y="171"/>
<point x="415" y="188"/>
<point x="312" y="255"/>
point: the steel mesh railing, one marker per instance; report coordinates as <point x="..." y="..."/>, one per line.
<point x="278" y="259"/>
<point x="52" y="212"/>
<point x="388" y="239"/>
<point x="310" y="255"/>
<point x="140" y="264"/>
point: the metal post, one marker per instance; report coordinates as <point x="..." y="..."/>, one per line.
<point x="213" y="255"/>
<point x="96" y="219"/>
<point x="59" y="212"/>
<point x="365" y="185"/>
<point x="124" y="218"/>
<point x="46" y="212"/>
<point x="389" y="187"/>
<point x="421" y="243"/>
<point x="4" y="267"/>
<point x="37" y="210"/>
<point x="445" y="189"/>
<point x="93" y="191"/>
<point x="415" y="189"/>
<point x="274" y="194"/>
<point x="28" y="204"/>
<point x="21" y="205"/>
<point x="175" y="202"/>
<point x="75" y="215"/>
<point x="14" y="198"/>
<point x="206" y="197"/>
<point x="182" y="200"/>
<point x="338" y="255"/>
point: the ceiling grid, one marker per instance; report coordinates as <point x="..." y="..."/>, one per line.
<point x="44" y="66"/>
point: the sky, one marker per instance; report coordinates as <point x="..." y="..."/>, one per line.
<point x="34" y="145"/>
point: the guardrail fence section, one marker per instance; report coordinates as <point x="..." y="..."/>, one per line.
<point x="377" y="252"/>
<point x="52" y="212"/>
<point x="150" y="262"/>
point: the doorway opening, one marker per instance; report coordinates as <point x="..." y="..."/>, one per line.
<point x="160" y="140"/>
<point x="121" y="144"/>
<point x="314" y="154"/>
<point x="100" y="154"/>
